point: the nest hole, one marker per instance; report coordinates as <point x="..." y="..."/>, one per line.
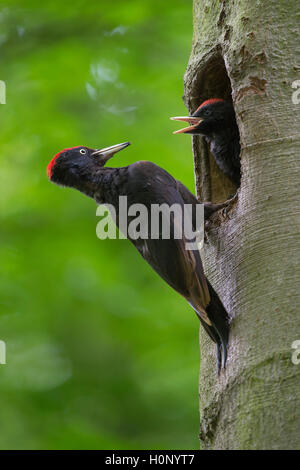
<point x="212" y="81"/>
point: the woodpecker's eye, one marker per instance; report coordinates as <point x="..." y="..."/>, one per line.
<point x="82" y="151"/>
<point x="206" y="112"/>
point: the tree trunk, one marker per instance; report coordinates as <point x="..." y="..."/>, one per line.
<point x="246" y="51"/>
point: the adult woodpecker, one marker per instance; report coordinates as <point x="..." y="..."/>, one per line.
<point x="215" y="119"/>
<point x="146" y="183"/>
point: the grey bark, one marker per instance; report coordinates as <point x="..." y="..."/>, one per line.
<point x="247" y="51"/>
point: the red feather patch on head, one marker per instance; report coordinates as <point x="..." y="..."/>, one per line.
<point x="211" y="101"/>
<point x="53" y="161"/>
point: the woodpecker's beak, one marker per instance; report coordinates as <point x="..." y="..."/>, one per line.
<point x="193" y="121"/>
<point x="109" y="152"/>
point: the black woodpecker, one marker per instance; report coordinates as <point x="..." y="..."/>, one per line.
<point x="215" y="120"/>
<point x="146" y="183"/>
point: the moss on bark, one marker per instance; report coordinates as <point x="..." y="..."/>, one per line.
<point x="248" y="52"/>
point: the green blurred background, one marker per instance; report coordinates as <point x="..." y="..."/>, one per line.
<point x="101" y="353"/>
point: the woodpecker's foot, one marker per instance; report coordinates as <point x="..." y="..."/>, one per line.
<point x="229" y="204"/>
<point x="210" y="208"/>
<point x="214" y="218"/>
<point x="215" y="214"/>
<point x="208" y="226"/>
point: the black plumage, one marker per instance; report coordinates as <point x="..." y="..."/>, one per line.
<point x="215" y="120"/>
<point x="146" y="183"/>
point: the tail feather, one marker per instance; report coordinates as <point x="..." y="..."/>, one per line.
<point x="219" y="330"/>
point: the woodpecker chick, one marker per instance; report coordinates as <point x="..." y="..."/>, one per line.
<point x="215" y="120"/>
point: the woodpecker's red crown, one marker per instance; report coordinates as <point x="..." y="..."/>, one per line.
<point x="77" y="162"/>
<point x="53" y="161"/>
<point x="210" y="101"/>
<point x="201" y="117"/>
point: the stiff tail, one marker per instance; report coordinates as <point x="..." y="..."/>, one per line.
<point x="219" y="330"/>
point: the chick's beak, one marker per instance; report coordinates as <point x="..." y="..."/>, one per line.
<point x="193" y="121"/>
<point x="109" y="152"/>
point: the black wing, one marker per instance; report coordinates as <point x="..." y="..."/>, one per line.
<point x="181" y="268"/>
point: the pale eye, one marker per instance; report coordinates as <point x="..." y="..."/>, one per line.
<point x="82" y="151"/>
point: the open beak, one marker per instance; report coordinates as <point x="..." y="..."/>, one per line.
<point x="109" y="152"/>
<point x="193" y="121"/>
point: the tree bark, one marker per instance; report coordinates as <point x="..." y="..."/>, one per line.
<point x="247" y="51"/>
